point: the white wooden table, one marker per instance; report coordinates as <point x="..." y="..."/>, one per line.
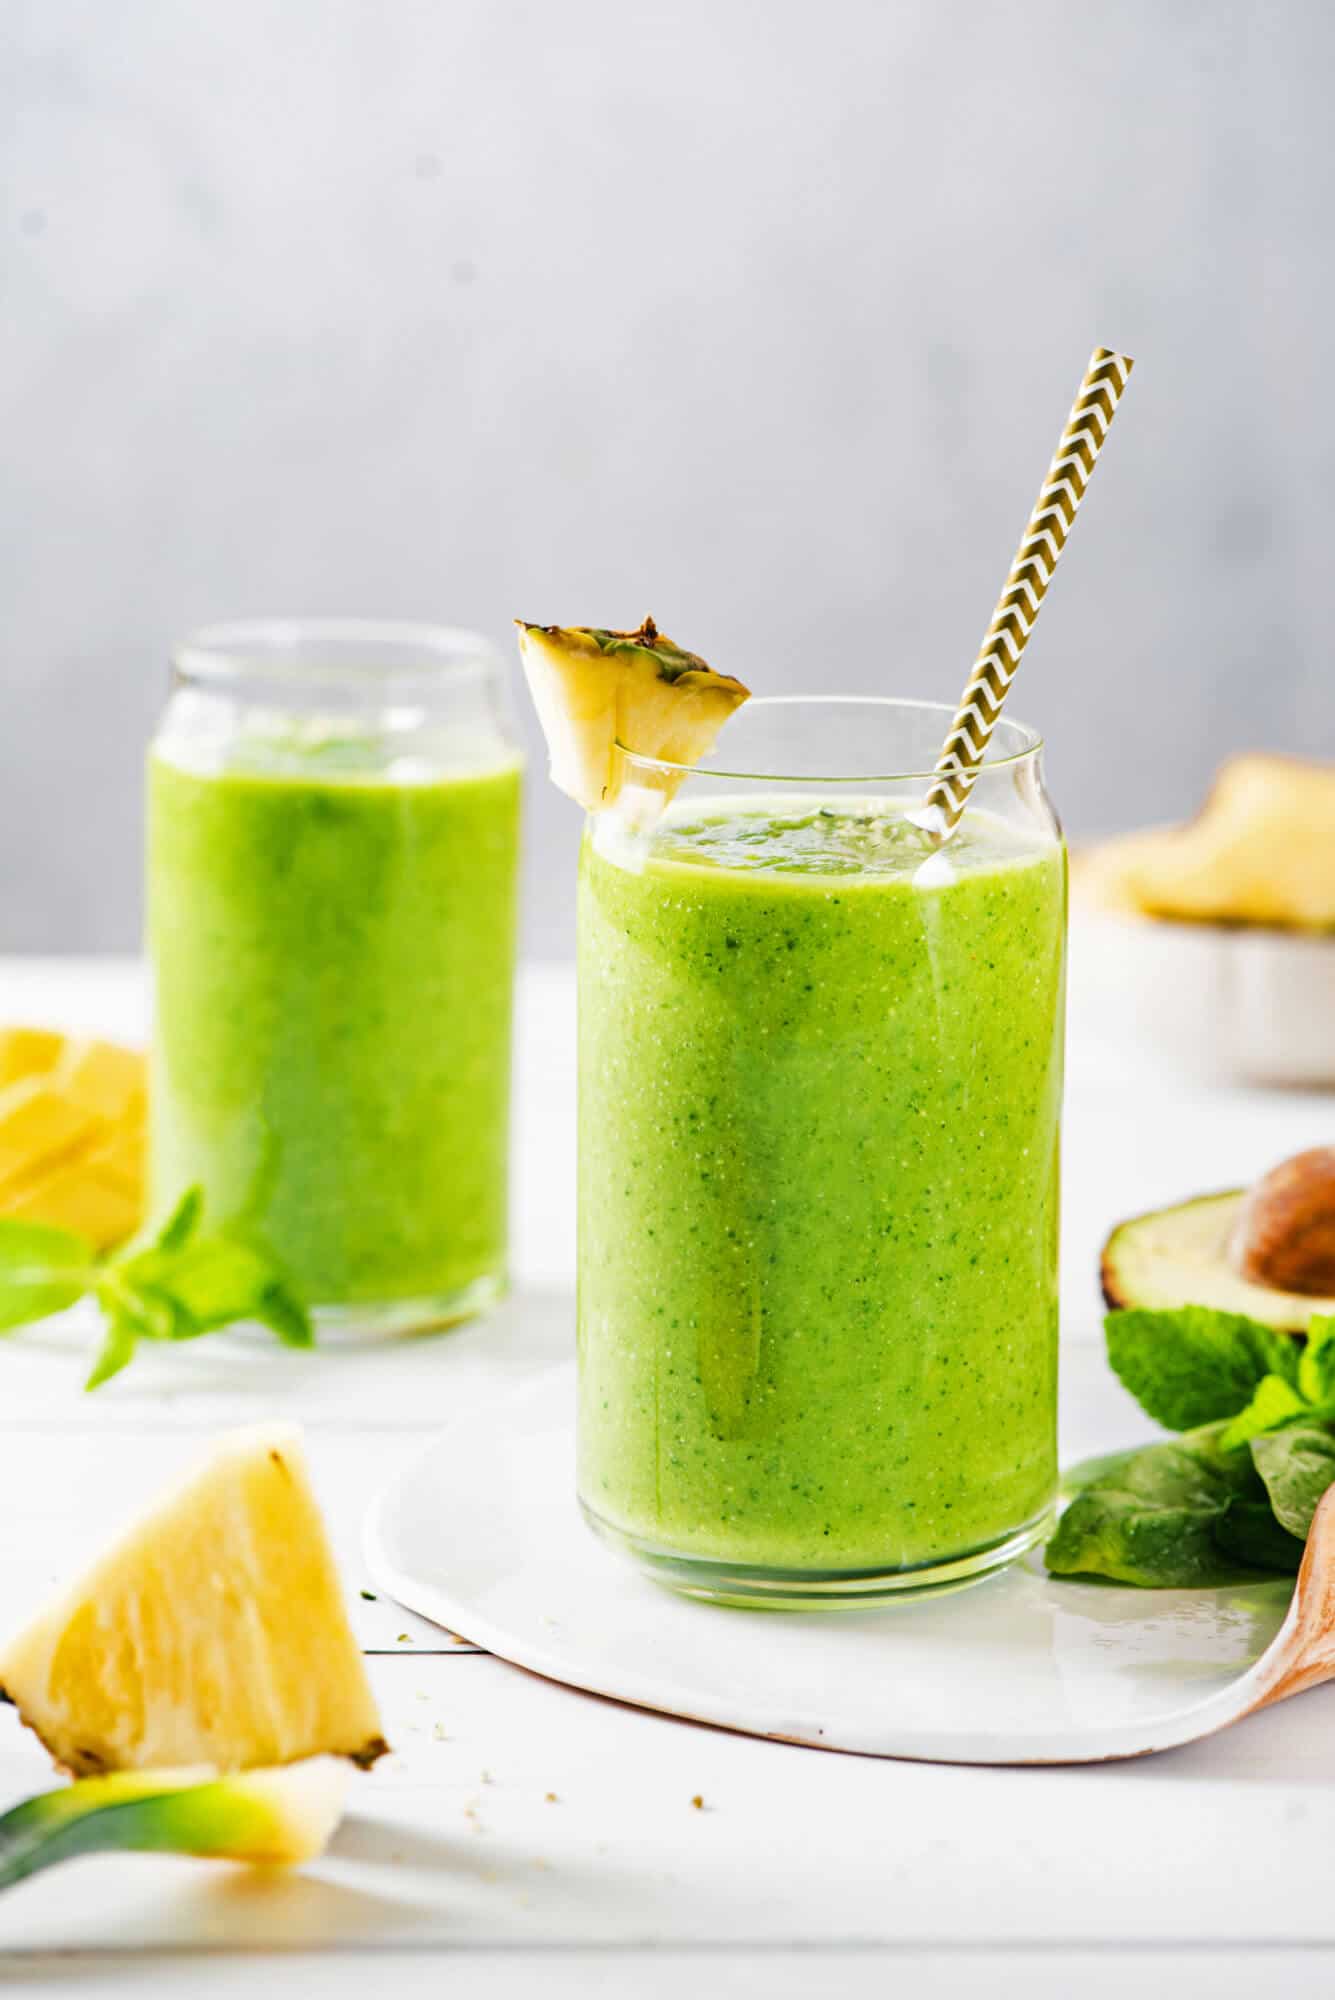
<point x="805" y="1873"/>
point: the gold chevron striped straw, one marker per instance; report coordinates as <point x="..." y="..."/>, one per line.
<point x="1022" y="597"/>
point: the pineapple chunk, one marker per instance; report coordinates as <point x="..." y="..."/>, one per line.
<point x="212" y="1632"/>
<point x="121" y="1161"/>
<point x="28" y="1052"/>
<point x="72" y="1116"/>
<point x="105" y="1079"/>
<point x="38" y="1123"/>
<point x="1261" y="851"/>
<point x="594" y="690"/>
<point x="1101" y="876"/>
<point x="86" y="1195"/>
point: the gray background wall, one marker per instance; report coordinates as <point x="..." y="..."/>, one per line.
<point x="762" y="317"/>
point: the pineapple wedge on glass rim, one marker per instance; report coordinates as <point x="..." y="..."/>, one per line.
<point x="594" y="689"/>
<point x="212" y="1631"/>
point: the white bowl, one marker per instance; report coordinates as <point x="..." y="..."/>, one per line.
<point x="1214" y="1005"/>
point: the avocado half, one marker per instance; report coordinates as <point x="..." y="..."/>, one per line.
<point x="1179" y="1257"/>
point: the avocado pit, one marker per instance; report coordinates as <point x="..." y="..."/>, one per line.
<point x="1284" y="1236"/>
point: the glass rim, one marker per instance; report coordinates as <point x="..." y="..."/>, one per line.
<point x="944" y="711"/>
<point x="332" y="649"/>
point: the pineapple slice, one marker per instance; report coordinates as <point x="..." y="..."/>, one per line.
<point x="72" y="1115"/>
<point x="1261" y="850"/>
<point x="1102" y="875"/>
<point x="273" y="1818"/>
<point x="212" y="1632"/>
<point x="595" y="689"/>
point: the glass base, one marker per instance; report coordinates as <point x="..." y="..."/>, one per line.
<point x="391" y="1319"/>
<point x="754" y="1586"/>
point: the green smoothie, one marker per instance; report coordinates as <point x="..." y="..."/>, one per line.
<point x="333" y="946"/>
<point x="820" y="1095"/>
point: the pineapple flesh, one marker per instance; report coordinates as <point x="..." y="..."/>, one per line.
<point x="72" y="1116"/>
<point x="212" y="1632"/>
<point x="1261" y="851"/>
<point x="595" y="689"/>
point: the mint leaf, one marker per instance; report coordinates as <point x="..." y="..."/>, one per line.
<point x="206" y="1285"/>
<point x="1316" y="1366"/>
<point x="181" y="1286"/>
<point x="1296" y="1466"/>
<point x="42" y="1271"/>
<point x="184" y="1285"/>
<point x="116" y="1352"/>
<point x="183" y="1221"/>
<point x="284" y="1314"/>
<point x="1179" y="1514"/>
<point x="1194" y="1366"/>
<point x="1274" y="1402"/>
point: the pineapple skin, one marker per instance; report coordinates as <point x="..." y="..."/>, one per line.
<point x="212" y="1632"/>
<point x="269" y="1818"/>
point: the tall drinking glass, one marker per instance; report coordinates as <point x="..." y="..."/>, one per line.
<point x="333" y="836"/>
<point x="820" y="1096"/>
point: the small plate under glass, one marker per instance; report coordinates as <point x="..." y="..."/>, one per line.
<point x="483" y="1534"/>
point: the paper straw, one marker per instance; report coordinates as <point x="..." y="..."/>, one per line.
<point x="1022" y="597"/>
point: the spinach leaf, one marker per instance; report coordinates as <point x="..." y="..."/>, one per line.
<point x="1296" y="1466"/>
<point x="1249" y="1531"/>
<point x="1178" y="1514"/>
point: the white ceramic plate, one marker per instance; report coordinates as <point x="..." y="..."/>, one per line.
<point x="482" y="1534"/>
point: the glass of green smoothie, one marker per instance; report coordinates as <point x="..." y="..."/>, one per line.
<point x="820" y="1098"/>
<point x="333" y="836"/>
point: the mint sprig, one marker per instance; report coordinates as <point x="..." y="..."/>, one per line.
<point x="1316" y="1367"/>
<point x="1194" y="1366"/>
<point x="1234" y="1495"/>
<point x="179" y="1286"/>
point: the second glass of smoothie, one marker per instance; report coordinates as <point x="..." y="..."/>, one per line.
<point x="820" y="1093"/>
<point x="333" y="813"/>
